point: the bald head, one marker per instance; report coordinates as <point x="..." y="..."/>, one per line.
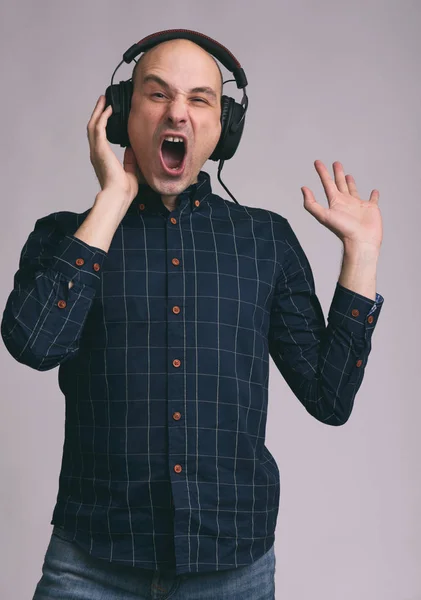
<point x="186" y="48"/>
<point x="177" y="92"/>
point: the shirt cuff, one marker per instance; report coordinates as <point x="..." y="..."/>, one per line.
<point x="353" y="311"/>
<point x="79" y="261"/>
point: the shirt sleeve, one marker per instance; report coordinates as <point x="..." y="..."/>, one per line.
<point x="323" y="365"/>
<point x="43" y="318"/>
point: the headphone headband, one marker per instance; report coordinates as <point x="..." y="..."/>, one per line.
<point x="212" y="46"/>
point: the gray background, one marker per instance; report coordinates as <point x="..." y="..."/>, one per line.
<point x="329" y="81"/>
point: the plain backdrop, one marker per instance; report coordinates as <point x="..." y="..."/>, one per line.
<point x="327" y="80"/>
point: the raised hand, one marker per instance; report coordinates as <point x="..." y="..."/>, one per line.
<point x="353" y="220"/>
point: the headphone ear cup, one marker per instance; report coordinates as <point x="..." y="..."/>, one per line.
<point x="225" y="118"/>
<point x="119" y="96"/>
<point x="226" y="105"/>
<point x="231" y="113"/>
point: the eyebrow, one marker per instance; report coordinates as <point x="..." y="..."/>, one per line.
<point x="203" y="89"/>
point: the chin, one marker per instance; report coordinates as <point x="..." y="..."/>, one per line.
<point x="171" y="186"/>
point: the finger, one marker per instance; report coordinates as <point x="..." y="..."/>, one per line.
<point x="340" y="179"/>
<point x="96" y="115"/>
<point x="97" y="132"/>
<point x="99" y="107"/>
<point x="98" y="104"/>
<point x="312" y="206"/>
<point x="374" y="197"/>
<point x="351" y="186"/>
<point x="102" y="121"/>
<point x="92" y="121"/>
<point x="328" y="184"/>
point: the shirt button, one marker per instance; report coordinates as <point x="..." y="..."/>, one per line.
<point x="370" y="319"/>
<point x="176" y="416"/>
<point x="61" y="304"/>
<point x="178" y="468"/>
<point x="196" y="202"/>
<point x="355" y="312"/>
<point x="359" y="363"/>
<point x="175" y="261"/>
<point x="173" y="220"/>
<point x="141" y="206"/>
<point x="176" y="362"/>
<point x="96" y="267"/>
<point x="80" y="262"/>
<point x="176" y="309"/>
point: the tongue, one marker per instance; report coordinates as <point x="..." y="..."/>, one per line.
<point x="172" y="153"/>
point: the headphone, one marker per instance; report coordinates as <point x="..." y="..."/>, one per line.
<point x="232" y="113"/>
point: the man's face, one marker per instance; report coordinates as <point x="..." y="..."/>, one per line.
<point x="169" y="97"/>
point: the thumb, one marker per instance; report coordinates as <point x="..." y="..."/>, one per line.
<point x="312" y="206"/>
<point x="129" y="161"/>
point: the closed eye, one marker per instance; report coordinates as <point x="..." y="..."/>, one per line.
<point x="161" y="95"/>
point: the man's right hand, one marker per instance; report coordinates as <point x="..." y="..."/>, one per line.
<point x="119" y="184"/>
<point x="121" y="180"/>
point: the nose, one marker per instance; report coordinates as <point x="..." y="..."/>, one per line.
<point x="177" y="111"/>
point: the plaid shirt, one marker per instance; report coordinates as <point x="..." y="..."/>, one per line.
<point x="163" y="344"/>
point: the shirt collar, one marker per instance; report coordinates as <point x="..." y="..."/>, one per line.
<point x="148" y="201"/>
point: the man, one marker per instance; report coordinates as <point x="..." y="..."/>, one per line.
<point x="161" y="304"/>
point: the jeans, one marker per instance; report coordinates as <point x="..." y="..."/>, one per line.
<point x="69" y="573"/>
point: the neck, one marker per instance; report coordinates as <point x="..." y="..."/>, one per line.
<point x="169" y="202"/>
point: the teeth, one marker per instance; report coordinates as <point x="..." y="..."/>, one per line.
<point x="169" y="138"/>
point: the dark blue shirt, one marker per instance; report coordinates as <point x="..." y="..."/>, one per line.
<point x="163" y="344"/>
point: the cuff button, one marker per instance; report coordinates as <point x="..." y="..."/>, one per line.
<point x="61" y="304"/>
<point x="80" y="262"/>
<point x="355" y="312"/>
<point x="96" y="266"/>
<point x="370" y="319"/>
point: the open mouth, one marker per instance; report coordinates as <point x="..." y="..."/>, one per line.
<point x="173" y="155"/>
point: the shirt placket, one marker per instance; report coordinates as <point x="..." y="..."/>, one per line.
<point x="176" y="360"/>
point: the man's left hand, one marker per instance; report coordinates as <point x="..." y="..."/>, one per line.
<point x="353" y="220"/>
